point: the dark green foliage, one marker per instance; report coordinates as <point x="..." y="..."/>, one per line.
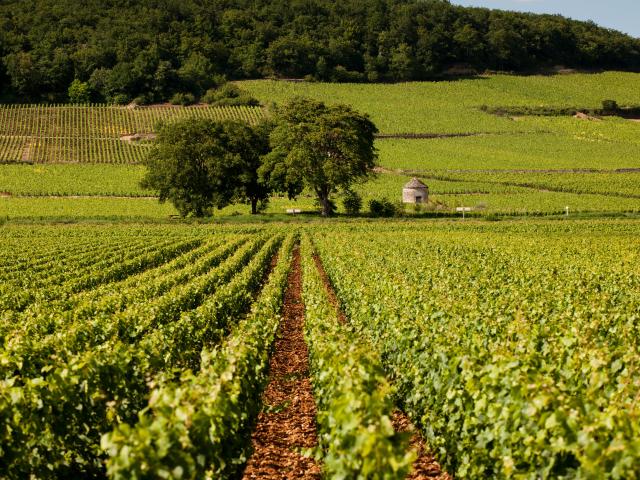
<point x="183" y="99"/>
<point x="352" y="202"/>
<point x="324" y="148"/>
<point x="229" y="94"/>
<point x="163" y="47"/>
<point x="610" y="106"/>
<point x="382" y="208"/>
<point x="201" y="164"/>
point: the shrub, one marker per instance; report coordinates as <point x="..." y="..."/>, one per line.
<point x="79" y="92"/>
<point x="145" y="99"/>
<point x="352" y="202"/>
<point x="341" y="74"/>
<point x="610" y="106"/>
<point x="120" y="99"/>
<point x="183" y="99"/>
<point x="382" y="208"/>
<point x="229" y="94"/>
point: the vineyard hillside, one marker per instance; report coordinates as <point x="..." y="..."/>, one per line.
<point x="94" y="133"/>
<point x="497" y="144"/>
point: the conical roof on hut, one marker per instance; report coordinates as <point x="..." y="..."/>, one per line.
<point x="415" y="184"/>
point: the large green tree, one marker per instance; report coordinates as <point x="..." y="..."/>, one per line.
<point x="201" y="164"/>
<point x="325" y="148"/>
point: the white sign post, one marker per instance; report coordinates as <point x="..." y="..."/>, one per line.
<point x="566" y="209"/>
<point x="463" y="210"/>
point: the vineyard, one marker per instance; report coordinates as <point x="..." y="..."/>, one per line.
<point x="93" y="133"/>
<point x="455" y="106"/>
<point x="515" y="349"/>
<point x="504" y="165"/>
<point x="142" y="351"/>
<point x="148" y="319"/>
<point x="525" y="164"/>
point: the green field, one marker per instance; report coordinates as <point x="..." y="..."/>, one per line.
<point x="453" y="106"/>
<point x="140" y="348"/>
<point x="93" y="133"/>
<point x="138" y="345"/>
<point x="69" y="180"/>
<point x="528" y="164"/>
<point x="515" y="346"/>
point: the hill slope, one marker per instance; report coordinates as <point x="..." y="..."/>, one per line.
<point x="154" y="49"/>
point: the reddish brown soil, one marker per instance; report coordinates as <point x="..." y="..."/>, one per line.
<point x="425" y="466"/>
<point x="287" y="424"/>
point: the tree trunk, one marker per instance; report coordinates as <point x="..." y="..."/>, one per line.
<point x="254" y="206"/>
<point x="326" y="206"/>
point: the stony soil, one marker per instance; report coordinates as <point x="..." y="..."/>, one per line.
<point x="287" y="424"/>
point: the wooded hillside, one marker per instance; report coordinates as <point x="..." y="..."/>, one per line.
<point x="152" y="49"/>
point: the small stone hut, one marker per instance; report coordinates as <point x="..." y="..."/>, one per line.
<point x="415" y="192"/>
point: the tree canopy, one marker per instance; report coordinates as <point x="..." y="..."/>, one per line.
<point x="324" y="148"/>
<point x="201" y="164"/>
<point x="154" y="49"/>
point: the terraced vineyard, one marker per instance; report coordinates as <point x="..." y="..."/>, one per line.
<point x="93" y="133"/>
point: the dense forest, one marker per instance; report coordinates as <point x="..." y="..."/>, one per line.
<point x="149" y="50"/>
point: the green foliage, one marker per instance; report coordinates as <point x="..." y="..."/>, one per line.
<point x="229" y="94"/>
<point x="111" y="341"/>
<point x="382" y="208"/>
<point x="354" y="398"/>
<point x="196" y="74"/>
<point x="610" y="106"/>
<point x="324" y="148"/>
<point x="512" y="345"/>
<point x="161" y="49"/>
<point x="198" y="426"/>
<point x="184" y="99"/>
<point x="352" y="202"/>
<point x="120" y="99"/>
<point x="536" y="381"/>
<point x="79" y="92"/>
<point x="200" y="164"/>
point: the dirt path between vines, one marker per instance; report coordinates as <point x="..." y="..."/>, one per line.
<point x="287" y="423"/>
<point x="425" y="466"/>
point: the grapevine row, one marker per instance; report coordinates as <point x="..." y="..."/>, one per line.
<point x="353" y="396"/>
<point x="93" y="133"/>
<point x="106" y="385"/>
<point x="517" y="356"/>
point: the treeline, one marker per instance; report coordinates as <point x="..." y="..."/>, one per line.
<point x="124" y="49"/>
